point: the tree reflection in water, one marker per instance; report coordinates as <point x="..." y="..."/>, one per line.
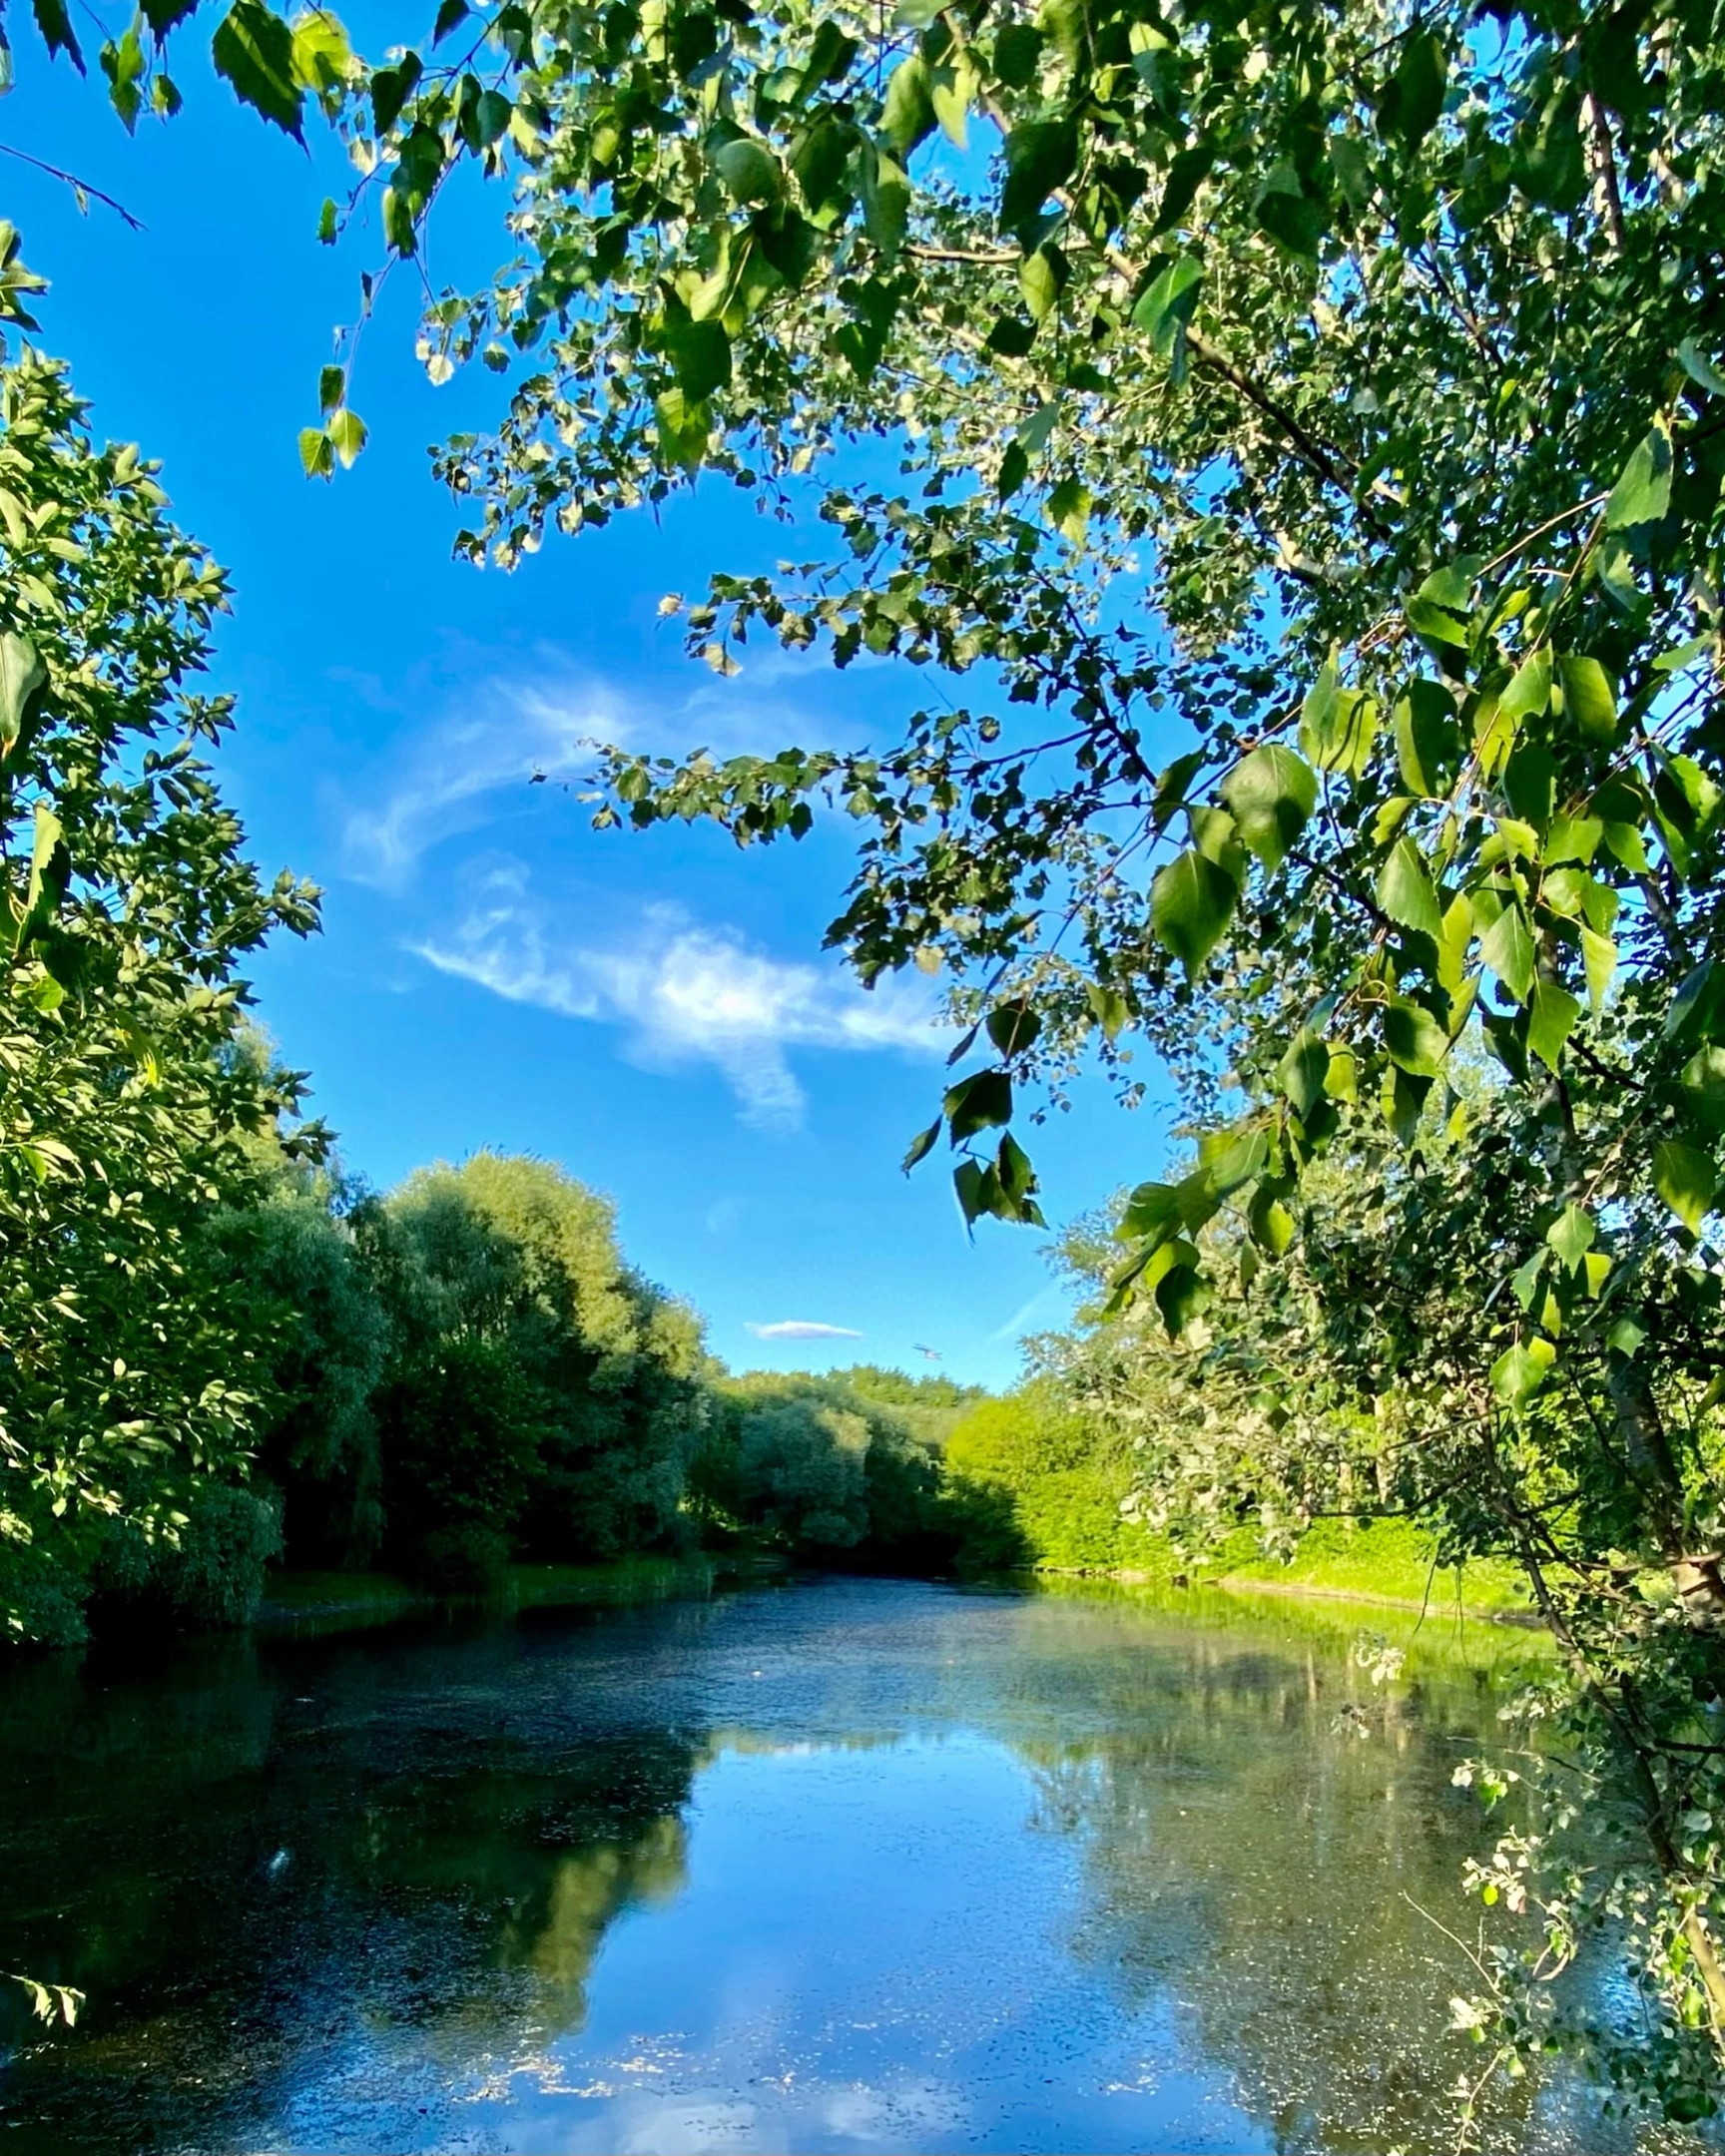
<point x="859" y="1865"/>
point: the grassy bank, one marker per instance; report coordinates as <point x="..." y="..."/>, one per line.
<point x="1385" y="1562"/>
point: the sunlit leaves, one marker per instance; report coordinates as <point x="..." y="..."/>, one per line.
<point x="1642" y="494"/>
<point x="1521" y="1371"/>
<point x="253" y="48"/>
<point x="1686" y="1180"/>
<point x="1405" y="893"/>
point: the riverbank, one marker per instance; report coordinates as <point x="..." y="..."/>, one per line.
<point x="1379" y="1564"/>
<point x="317" y="1602"/>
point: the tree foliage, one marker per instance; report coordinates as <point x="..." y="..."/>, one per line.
<point x="129" y="907"/>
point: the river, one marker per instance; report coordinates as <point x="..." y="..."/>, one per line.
<point x="840" y="1865"/>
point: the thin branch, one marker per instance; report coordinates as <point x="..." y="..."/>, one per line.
<point x="80" y="188"/>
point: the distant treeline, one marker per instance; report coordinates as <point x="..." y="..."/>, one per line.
<point x="467" y="1374"/>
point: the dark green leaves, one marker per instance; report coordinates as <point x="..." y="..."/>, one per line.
<point x="1428" y="738"/>
<point x="1270" y="794"/>
<point x="1413" y="95"/>
<point x="978" y="1103"/>
<point x="699" y="352"/>
<point x="749" y="170"/>
<point x="1192" y="902"/>
<point x="253" y="48"/>
<point x="1041" y="158"/>
<point x="55" y="23"/>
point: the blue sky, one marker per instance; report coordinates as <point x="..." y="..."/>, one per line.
<point x="654" y="1012"/>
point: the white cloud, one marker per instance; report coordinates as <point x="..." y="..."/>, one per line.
<point x="802" y="1328"/>
<point x="476" y="764"/>
<point x="687" y="992"/>
<point x="496" y="746"/>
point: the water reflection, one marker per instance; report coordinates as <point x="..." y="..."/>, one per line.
<point x="856" y="1865"/>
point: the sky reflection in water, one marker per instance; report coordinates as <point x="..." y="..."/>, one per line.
<point x="856" y="1865"/>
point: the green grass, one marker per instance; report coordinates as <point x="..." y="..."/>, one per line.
<point x="1389" y="1558"/>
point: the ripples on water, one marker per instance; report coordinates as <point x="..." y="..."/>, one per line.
<point x="850" y="1865"/>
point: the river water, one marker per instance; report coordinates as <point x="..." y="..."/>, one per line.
<point x="845" y="1864"/>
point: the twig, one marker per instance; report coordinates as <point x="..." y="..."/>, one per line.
<point x="78" y="187"/>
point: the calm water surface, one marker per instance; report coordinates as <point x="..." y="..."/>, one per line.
<point x="852" y="1865"/>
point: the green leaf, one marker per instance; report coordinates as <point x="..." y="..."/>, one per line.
<point x="1704" y="1086"/>
<point x="1529" y="687"/>
<point x="253" y="48"/>
<point x="1550" y="1022"/>
<point x="923" y="1144"/>
<point x="1014" y="470"/>
<point x="1070" y="510"/>
<point x="1599" y="960"/>
<point x="1013" y="1027"/>
<point x="685" y="424"/>
<point x="1186" y="175"/>
<point x="317" y="453"/>
<point x="1303" y="1070"/>
<point x="1232" y="1158"/>
<point x="908" y="117"/>
<point x="1519" y="1373"/>
<point x="1687" y="1181"/>
<point x="1337" y="725"/>
<point x="1017" y="48"/>
<point x="1415" y="1042"/>
<point x="1507" y="948"/>
<point x="1642" y="494"/>
<point x="1271" y="793"/>
<point x="54" y="21"/>
<point x="1152" y="1212"/>
<point x="1405" y="893"/>
<point x="22" y="676"/>
<point x="1107" y="1007"/>
<point x="1588" y="698"/>
<point x="1271" y="1224"/>
<point x="886" y="200"/>
<point x="1040" y="279"/>
<point x="1192" y="902"/>
<point x="1167" y="304"/>
<point x="699" y="352"/>
<point x="346" y="432"/>
<point x="1699" y="369"/>
<point x="978" y="1103"/>
<point x="1414" y="96"/>
<point x="1040" y="156"/>
<point x="749" y="170"/>
<point x="1428" y="738"/>
<point x="449" y="13"/>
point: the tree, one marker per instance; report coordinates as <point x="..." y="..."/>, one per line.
<point x="129" y="906"/>
<point x="518" y="1257"/>
<point x="1309" y="429"/>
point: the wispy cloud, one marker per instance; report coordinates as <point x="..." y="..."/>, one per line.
<point x="454" y="771"/>
<point x="802" y="1328"/>
<point x="476" y="765"/>
<point x="689" y="992"/>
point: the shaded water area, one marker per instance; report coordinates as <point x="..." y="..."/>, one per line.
<point x="841" y="1865"/>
